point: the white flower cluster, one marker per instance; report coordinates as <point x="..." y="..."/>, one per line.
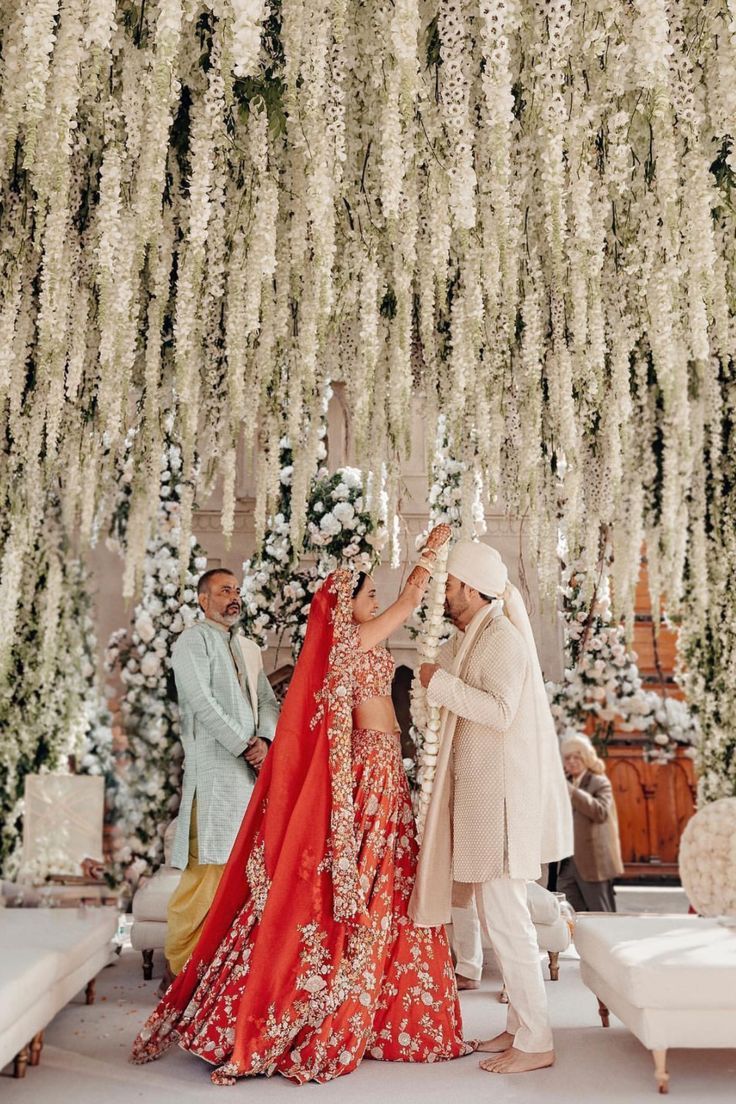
<point x="149" y="794"/>
<point x="510" y="211"/>
<point x="601" y="686"/>
<point x="455" y="499"/>
<point x="247" y="18"/>
<point x="341" y="529"/>
<point x="52" y="711"/>
<point x="426" y="717"/>
<point x="707" y="859"/>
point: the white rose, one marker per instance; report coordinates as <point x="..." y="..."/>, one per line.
<point x="341" y="491"/>
<point x="144" y="627"/>
<point x="345" y="513"/>
<point x="151" y="664"/>
<point x="330" y="525"/>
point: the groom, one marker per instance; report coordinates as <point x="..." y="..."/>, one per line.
<point x="499" y="806"/>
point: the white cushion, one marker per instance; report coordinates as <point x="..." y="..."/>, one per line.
<point x="75" y="934"/>
<point x="553" y="937"/>
<point x="25" y="973"/>
<point x="684" y="962"/>
<point x="151" y="899"/>
<point x="148" y="935"/>
<point x="46" y="956"/>
<point x="662" y="1028"/>
<point x="544" y="907"/>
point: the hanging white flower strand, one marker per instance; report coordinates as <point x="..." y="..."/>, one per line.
<point x="247" y="16"/>
<point x="426" y="717"/>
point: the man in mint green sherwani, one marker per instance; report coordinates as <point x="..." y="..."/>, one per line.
<point x="228" y="717"/>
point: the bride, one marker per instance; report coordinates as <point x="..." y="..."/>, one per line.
<point x="307" y="959"/>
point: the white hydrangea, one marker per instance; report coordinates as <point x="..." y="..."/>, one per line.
<point x="707" y="859"/>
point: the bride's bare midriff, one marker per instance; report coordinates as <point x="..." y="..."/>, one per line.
<point x="377" y="714"/>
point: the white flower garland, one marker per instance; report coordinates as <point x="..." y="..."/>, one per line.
<point x="426" y="717"/>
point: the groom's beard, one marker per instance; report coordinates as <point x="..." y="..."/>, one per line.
<point x="453" y="611"/>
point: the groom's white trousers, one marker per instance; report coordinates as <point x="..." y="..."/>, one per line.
<point x="502" y="912"/>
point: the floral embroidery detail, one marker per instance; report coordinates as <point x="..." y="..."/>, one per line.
<point x="337" y="698"/>
<point x="374" y="672"/>
<point x="258" y="879"/>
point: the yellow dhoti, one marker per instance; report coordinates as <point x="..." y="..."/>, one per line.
<point x="190" y="902"/>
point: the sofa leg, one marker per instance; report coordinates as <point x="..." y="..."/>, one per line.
<point x="36" y="1048"/>
<point x="660" y="1070"/>
<point x="554" y="965"/>
<point x="89" y="992"/>
<point x="603" y="1013"/>
<point x="20" y="1065"/>
<point x="147" y="965"/>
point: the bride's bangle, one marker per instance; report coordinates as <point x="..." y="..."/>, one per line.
<point x="420" y="573"/>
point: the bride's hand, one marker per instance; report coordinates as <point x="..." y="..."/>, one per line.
<point x="437" y="538"/>
<point x="416" y="584"/>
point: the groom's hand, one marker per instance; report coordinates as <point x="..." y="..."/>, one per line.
<point x="425" y="673"/>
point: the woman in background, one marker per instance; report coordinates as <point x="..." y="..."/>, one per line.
<point x="586" y="879"/>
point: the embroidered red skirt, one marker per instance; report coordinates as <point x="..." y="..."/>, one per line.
<point x="385" y="988"/>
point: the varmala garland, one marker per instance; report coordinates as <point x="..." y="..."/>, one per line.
<point x="426" y="717"/>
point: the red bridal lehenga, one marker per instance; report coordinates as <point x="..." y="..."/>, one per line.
<point x="307" y="960"/>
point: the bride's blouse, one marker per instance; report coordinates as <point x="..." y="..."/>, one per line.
<point x="374" y="672"/>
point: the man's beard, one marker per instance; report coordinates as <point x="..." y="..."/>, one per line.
<point x="453" y="612"/>
<point x="230" y="617"/>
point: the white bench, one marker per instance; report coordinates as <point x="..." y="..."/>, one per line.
<point x="47" y="955"/>
<point x="670" y="979"/>
<point x="150" y="909"/>
<point x="151" y="905"/>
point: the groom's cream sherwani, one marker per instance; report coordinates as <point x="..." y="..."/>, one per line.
<point x="499" y="807"/>
<point x="500" y="804"/>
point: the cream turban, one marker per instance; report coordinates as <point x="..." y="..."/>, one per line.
<point x="480" y="566"/>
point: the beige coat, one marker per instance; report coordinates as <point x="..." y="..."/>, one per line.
<point x="597" y="847"/>
<point x="499" y="804"/>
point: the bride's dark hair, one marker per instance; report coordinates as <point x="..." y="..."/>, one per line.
<point x="362" y="576"/>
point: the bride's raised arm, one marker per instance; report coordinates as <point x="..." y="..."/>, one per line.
<point x="373" y="632"/>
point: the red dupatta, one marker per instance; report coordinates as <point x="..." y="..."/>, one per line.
<point x="292" y="874"/>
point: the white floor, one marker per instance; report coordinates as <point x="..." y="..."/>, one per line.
<point x="85" y="1057"/>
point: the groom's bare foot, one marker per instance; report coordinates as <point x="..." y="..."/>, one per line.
<point x="466" y="983"/>
<point x="499" y="1045"/>
<point x="518" y="1061"/>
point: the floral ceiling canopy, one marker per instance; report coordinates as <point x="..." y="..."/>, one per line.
<point x="519" y="214"/>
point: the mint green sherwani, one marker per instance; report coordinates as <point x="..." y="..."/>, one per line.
<point x="225" y="700"/>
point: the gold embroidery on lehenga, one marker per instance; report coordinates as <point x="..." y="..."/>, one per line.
<point x="258" y="880"/>
<point x="337" y="699"/>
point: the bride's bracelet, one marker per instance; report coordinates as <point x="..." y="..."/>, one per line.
<point x="424" y="564"/>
